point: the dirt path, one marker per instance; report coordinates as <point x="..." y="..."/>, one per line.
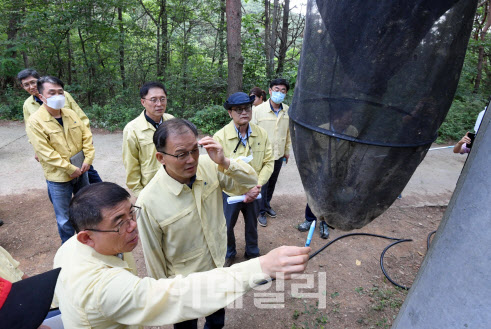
<point x="346" y="276"/>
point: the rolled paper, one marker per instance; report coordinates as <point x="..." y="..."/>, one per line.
<point x="239" y="198"/>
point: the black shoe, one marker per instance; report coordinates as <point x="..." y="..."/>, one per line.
<point x="262" y="220"/>
<point x="246" y="256"/>
<point x="324" y="230"/>
<point x="271" y="213"/>
<point x="1" y="222"/>
<point x="305" y="226"/>
<point x="229" y="261"/>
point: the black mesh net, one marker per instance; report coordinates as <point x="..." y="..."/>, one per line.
<point x="375" y="82"/>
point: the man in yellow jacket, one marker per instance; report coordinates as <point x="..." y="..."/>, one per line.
<point x="183" y="229"/>
<point x="98" y="287"/>
<point x="59" y="137"/>
<point x="9" y="267"/>
<point x="28" y="79"/>
<point x="138" y="149"/>
<point x="241" y="139"/>
<point x="273" y="117"/>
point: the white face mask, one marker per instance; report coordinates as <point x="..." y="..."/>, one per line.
<point x="56" y="102"/>
<point x="278" y="97"/>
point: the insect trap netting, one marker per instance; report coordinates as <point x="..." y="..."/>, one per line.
<point x="375" y="81"/>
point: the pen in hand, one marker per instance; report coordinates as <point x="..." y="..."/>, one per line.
<point x="311" y="233"/>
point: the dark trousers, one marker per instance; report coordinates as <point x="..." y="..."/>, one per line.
<point x="309" y="215"/>
<point x="213" y="321"/>
<point x="60" y="194"/>
<point x="267" y="189"/>
<point x="93" y="176"/>
<point x="250" y="212"/>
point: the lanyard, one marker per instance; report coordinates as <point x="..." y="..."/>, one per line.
<point x="240" y="142"/>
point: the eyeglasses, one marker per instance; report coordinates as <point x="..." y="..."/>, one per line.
<point x="281" y="90"/>
<point x="123" y="225"/>
<point x="154" y="100"/>
<point x="30" y="84"/>
<point x="184" y="155"/>
<point x="239" y="110"/>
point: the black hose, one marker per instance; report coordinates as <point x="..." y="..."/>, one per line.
<point x="382" y="263"/>
<point x="428" y="240"/>
<point x="347" y="235"/>
<point x="397" y="240"/>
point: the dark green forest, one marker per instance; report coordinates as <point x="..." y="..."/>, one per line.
<point x="201" y="50"/>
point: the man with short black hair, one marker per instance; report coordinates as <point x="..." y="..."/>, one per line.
<point x="241" y="139"/>
<point x="273" y="117"/>
<point x="138" y="150"/>
<point x="182" y="225"/>
<point x="28" y="79"/>
<point x="58" y="137"/>
<point x="98" y="287"/>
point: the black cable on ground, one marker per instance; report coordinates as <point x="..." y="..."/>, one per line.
<point x="396" y="241"/>
<point x="382" y="263"/>
<point x="428" y="240"/>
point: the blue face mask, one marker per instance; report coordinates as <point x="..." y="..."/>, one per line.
<point x="278" y="97"/>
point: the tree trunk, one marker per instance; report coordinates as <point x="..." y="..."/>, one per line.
<point x="267" y="36"/>
<point x="89" y="68"/>
<point x="12" y="29"/>
<point x="272" y="42"/>
<point x="480" y="59"/>
<point x="221" y="39"/>
<point x="234" y="51"/>
<point x="184" y="64"/>
<point x="158" y="26"/>
<point x="69" y="62"/>
<point x="165" y="43"/>
<point x="283" y="39"/>
<point x="157" y="55"/>
<point x="26" y="59"/>
<point x="121" y="47"/>
<point x="59" y="63"/>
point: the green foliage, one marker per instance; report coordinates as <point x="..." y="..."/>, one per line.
<point x="115" y="114"/>
<point x="111" y="117"/>
<point x="383" y="298"/>
<point x="296" y="314"/>
<point x="11" y="103"/>
<point x="461" y="117"/>
<point x="210" y="119"/>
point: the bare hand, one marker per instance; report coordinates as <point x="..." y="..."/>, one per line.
<point x="287" y="157"/>
<point x="252" y="194"/>
<point x="36" y="157"/>
<point x="287" y="260"/>
<point x="215" y="151"/>
<point x="466" y="139"/>
<point x="85" y="167"/>
<point x="76" y="173"/>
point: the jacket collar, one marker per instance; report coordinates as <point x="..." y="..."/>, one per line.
<point x="167" y="182"/>
<point x="143" y="124"/>
<point x="231" y="133"/>
<point x="46" y="116"/>
<point x="108" y="260"/>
